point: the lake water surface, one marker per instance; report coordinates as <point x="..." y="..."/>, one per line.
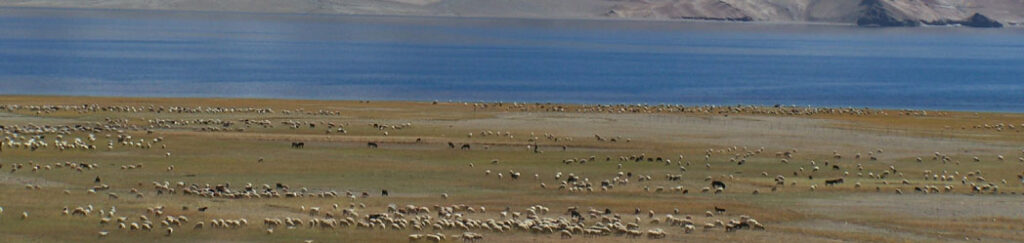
<point x="214" y="54"/>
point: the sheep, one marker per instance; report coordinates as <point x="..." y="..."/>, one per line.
<point x="656" y="233"/>
<point x="688" y="228"/>
<point x="566" y="234"/>
<point x="708" y="227"/>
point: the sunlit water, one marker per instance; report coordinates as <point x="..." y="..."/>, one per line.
<point x="212" y="54"/>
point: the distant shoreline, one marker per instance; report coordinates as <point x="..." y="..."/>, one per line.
<point x="480" y="16"/>
<point x="6" y="99"/>
<point x="470" y="17"/>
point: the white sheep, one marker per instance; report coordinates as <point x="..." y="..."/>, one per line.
<point x="565" y="234"/>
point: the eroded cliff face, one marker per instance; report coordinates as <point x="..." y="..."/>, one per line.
<point x="974" y="13"/>
<point x="678" y="9"/>
<point x="878" y="13"/>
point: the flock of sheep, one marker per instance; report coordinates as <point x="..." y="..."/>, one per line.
<point x="438" y="223"/>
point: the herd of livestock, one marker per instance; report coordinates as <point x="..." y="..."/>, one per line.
<point x="454" y="220"/>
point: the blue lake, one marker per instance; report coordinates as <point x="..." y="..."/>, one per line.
<point x="216" y="54"/>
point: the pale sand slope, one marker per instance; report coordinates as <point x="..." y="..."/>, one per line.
<point x="1009" y="12"/>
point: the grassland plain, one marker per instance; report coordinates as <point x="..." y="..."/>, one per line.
<point x="413" y="161"/>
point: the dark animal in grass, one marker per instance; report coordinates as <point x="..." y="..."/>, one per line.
<point x="833" y="182"/>
<point x="465" y="147"/>
<point x="372" y="145"/>
<point x="718" y="184"/>
<point x="575" y="214"/>
<point x="383" y="193"/>
<point x="451" y="145"/>
<point x="719" y="210"/>
<point x="298" y="145"/>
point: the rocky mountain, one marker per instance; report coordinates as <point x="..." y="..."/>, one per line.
<point x="972" y="13"/>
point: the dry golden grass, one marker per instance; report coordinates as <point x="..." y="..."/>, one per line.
<point x="418" y="172"/>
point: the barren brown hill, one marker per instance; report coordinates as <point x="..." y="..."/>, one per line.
<point x="977" y="13"/>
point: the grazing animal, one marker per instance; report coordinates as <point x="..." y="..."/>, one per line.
<point x="465" y="147"/>
<point x="717" y="184"/>
<point x="298" y="145"/>
<point x="575" y="214"/>
<point x="372" y="145"/>
<point x="833" y="182"/>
